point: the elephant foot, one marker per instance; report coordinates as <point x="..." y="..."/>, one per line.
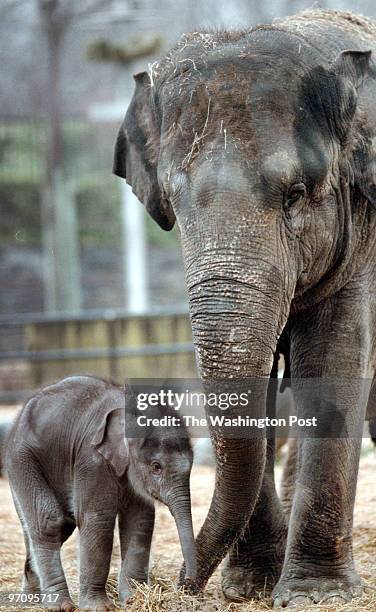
<point x="99" y="603"/>
<point x="65" y="605"/>
<point x="126" y="594"/>
<point x="127" y="587"/>
<point x="189" y="586"/>
<point x="250" y="582"/>
<point x="253" y="568"/>
<point x="237" y="583"/>
<point x="302" y="593"/>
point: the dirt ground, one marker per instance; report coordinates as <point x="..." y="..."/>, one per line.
<point x="162" y="595"/>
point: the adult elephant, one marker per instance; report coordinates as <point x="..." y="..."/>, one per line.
<point x="260" y="143"/>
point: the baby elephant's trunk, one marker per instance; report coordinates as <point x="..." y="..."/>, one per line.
<point x="180" y="507"/>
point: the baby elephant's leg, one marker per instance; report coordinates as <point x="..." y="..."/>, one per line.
<point x="136" y="524"/>
<point x="96" y="539"/>
<point x="96" y="514"/>
<point x="44" y="526"/>
<point x="30" y="582"/>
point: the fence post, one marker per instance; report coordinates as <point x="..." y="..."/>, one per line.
<point x="67" y="247"/>
<point x="134" y="251"/>
<point x="60" y="245"/>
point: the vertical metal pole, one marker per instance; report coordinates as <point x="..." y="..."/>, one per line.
<point x="134" y="251"/>
<point x="67" y="258"/>
<point x="48" y="249"/>
<point x="60" y="242"/>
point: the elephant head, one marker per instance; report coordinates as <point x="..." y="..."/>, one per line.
<point x="255" y="152"/>
<point x="158" y="463"/>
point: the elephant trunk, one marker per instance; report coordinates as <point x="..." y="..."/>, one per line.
<point x="237" y="314"/>
<point x="179" y="504"/>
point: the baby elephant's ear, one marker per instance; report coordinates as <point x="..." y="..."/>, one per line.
<point x="110" y="441"/>
<point x="137" y="152"/>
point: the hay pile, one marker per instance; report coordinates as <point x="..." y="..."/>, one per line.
<point x="162" y="594"/>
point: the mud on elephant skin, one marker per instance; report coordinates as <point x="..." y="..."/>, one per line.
<point x="261" y="145"/>
<point x="71" y="463"/>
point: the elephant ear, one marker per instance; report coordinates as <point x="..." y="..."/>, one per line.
<point x="137" y="153"/>
<point x="364" y="157"/>
<point x="350" y="69"/>
<point x="354" y="68"/>
<point x="110" y="441"/>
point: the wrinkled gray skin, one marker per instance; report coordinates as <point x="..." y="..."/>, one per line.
<point x="5" y="427"/>
<point x="260" y="144"/>
<point x="203" y="449"/>
<point x="69" y="464"/>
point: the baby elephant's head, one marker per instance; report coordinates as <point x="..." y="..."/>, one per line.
<point x="156" y="460"/>
<point x="159" y="468"/>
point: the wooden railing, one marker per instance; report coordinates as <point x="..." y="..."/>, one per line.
<point x="110" y="343"/>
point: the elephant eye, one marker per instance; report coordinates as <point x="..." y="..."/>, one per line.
<point x="296" y="191"/>
<point x="156" y="468"/>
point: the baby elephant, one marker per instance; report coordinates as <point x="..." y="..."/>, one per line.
<point x="70" y="464"/>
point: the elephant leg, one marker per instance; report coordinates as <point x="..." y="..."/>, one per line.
<point x="30" y="581"/>
<point x="136" y="524"/>
<point x="46" y="557"/>
<point x="319" y="562"/>
<point x="96" y="540"/>
<point x="44" y="525"/>
<point x="96" y="506"/>
<point x="255" y="561"/>
<point x="329" y="381"/>
<point x="289" y="477"/>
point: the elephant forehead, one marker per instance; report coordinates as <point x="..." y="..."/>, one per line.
<point x="220" y="116"/>
<point x="227" y="91"/>
<point x="281" y="166"/>
<point x="220" y="176"/>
